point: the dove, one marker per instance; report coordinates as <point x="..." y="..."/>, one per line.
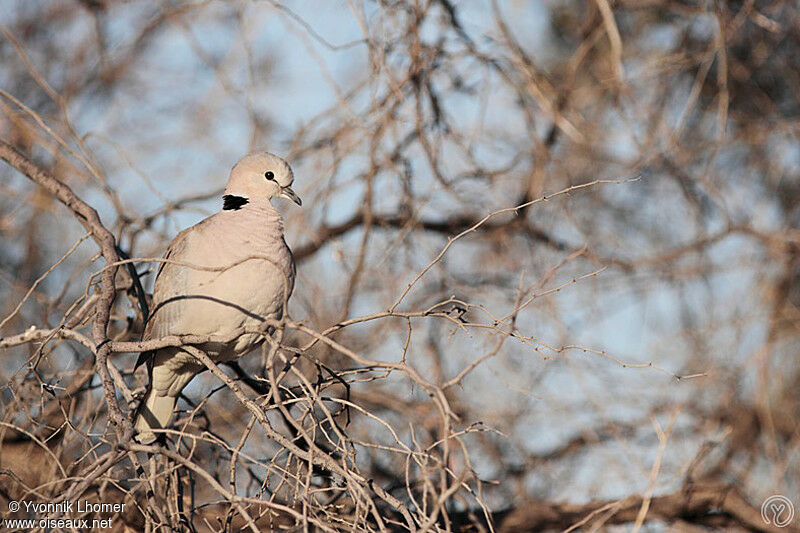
<point x="230" y="271"/>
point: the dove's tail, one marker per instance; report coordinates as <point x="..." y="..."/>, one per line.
<point x="155" y="412"/>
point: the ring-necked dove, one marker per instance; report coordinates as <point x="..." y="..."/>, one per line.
<point x="229" y="271"/>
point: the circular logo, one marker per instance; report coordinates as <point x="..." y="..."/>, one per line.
<point x="777" y="511"/>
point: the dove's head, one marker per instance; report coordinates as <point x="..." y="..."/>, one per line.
<point x="259" y="177"/>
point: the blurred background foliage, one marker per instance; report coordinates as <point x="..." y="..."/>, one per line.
<point x="653" y="320"/>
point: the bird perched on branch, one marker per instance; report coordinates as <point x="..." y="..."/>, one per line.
<point x="231" y="270"/>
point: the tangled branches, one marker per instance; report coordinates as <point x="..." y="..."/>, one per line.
<point x="547" y="263"/>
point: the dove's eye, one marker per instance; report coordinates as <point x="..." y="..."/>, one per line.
<point x="269" y="175"/>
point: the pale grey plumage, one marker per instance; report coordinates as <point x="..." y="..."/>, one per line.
<point x="229" y="271"/>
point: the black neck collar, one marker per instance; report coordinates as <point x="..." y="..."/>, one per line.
<point x="232" y="202"/>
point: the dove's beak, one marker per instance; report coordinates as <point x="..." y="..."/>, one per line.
<point x="289" y="194"/>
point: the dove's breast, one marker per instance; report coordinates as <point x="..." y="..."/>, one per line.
<point x="216" y="282"/>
